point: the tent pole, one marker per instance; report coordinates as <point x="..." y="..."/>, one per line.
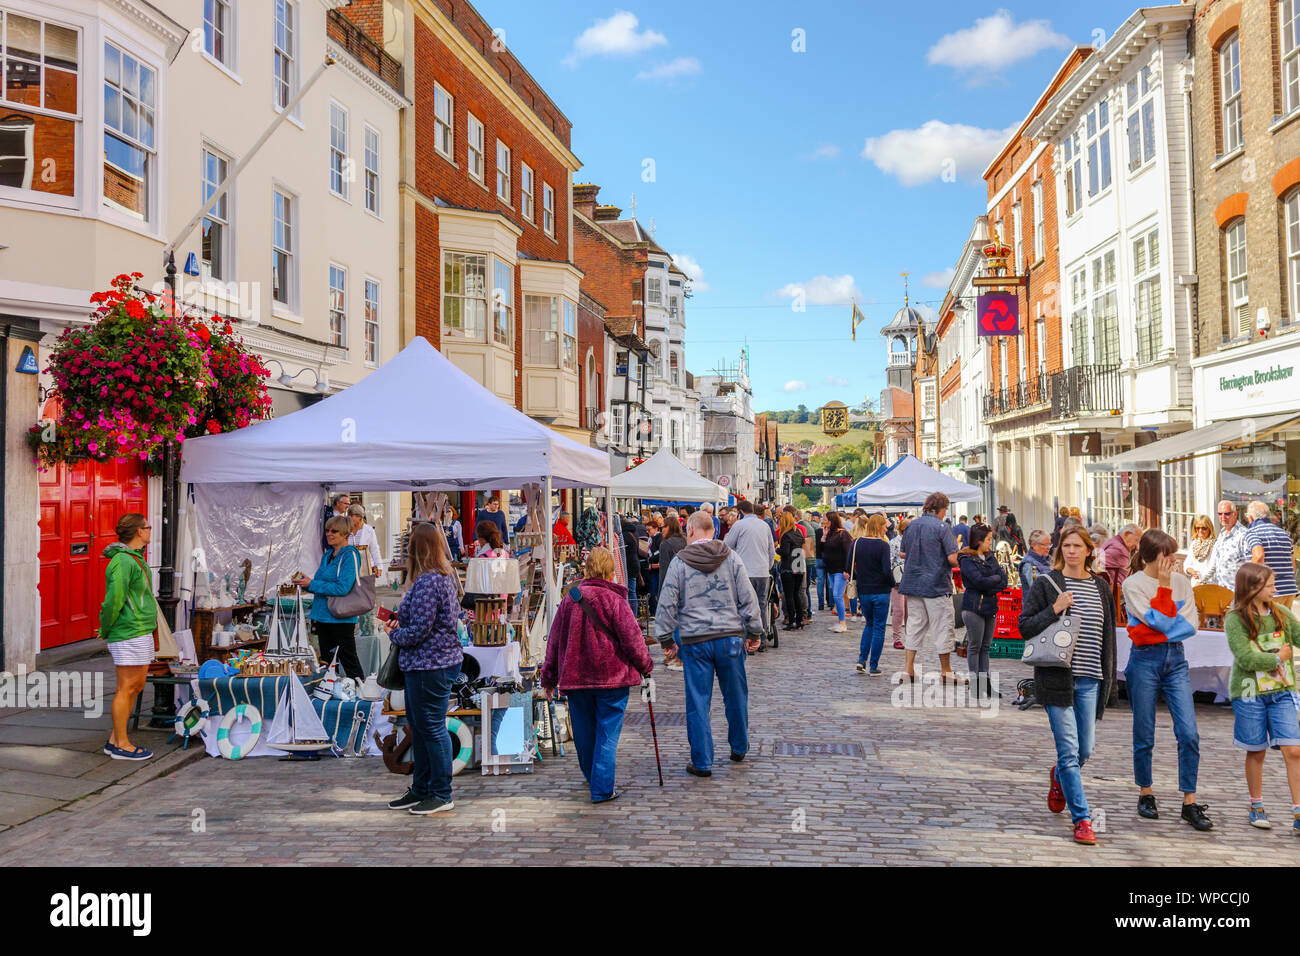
<point x="548" y="549"/>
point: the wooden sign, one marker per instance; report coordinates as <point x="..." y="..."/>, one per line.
<point x="1085" y="443"/>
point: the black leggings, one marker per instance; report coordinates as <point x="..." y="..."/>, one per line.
<point x="343" y="637"/>
<point x="795" y="609"/>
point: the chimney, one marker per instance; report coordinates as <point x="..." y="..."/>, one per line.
<point x="584" y="198"/>
<point x="607" y="213"/>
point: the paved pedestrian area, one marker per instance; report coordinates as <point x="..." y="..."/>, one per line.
<point x="837" y="775"/>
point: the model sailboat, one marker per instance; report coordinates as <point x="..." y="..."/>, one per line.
<point x="296" y="726"/>
<point x="295" y="646"/>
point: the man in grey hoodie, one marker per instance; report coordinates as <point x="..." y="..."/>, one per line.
<point x="706" y="597"/>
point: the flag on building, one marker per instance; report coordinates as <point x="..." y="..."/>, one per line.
<point x="857" y="317"/>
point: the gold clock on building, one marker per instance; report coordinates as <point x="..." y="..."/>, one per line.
<point x="835" y="419"/>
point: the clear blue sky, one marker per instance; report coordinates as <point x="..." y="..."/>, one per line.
<point x="760" y="176"/>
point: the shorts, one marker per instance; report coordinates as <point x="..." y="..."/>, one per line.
<point x="133" y="652"/>
<point x="1270" y="720"/>
<point x="929" y="615"/>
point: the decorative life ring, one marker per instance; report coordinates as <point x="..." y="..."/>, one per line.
<point x="462" y="735"/>
<point x="239" y="712"/>
<point x="192" y="718"/>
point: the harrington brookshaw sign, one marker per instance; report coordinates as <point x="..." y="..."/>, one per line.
<point x="1240" y="382"/>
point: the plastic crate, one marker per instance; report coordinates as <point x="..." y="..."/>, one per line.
<point x="1007" y="647"/>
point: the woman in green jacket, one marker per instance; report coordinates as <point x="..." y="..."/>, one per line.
<point x="126" y="623"/>
<point x="1263" y="637"/>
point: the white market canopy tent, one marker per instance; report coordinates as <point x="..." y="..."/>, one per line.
<point x="663" y="477"/>
<point x="909" y="481"/>
<point x="418" y="423"/>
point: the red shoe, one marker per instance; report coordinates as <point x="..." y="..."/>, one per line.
<point x="1055" y="795"/>
<point x="1083" y="833"/>
<point x="898" y="645"/>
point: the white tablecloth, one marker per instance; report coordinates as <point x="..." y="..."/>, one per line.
<point x="1208" y="660"/>
<point x="500" y="661"/>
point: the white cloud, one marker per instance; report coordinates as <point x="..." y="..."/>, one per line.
<point x="693" y="271"/>
<point x="823" y="290"/>
<point x="940" y="279"/>
<point x="615" y="36"/>
<point x="795" y="386"/>
<point x="672" y="70"/>
<point x="836" y="381"/>
<point x="936" y="150"/>
<point x="995" y="42"/>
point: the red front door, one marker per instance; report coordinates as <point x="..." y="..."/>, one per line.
<point x="80" y="505"/>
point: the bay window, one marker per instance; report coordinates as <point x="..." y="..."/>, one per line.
<point x="550" y="332"/>
<point x="503" y="303"/>
<point x="40" y="87"/>
<point x="464" y="296"/>
<point x="130" y="155"/>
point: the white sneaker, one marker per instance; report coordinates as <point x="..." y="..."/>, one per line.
<point x="840" y="627"/>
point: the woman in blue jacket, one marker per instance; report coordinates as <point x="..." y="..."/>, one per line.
<point x="984" y="578"/>
<point x="340" y="566"/>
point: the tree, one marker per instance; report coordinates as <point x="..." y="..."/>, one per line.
<point x="802" y="501"/>
<point x="857" y="461"/>
<point x="803" y="414"/>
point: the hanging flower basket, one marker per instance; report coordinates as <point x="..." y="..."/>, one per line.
<point x="138" y="378"/>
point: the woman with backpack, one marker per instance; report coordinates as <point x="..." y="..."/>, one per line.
<point x="340" y="566"/>
<point x="1074" y="696"/>
<point x="985" y="578"/>
<point x="595" y="653"/>
<point x="127" y="620"/>
<point x="1161" y="615"/>
<point x="793" y="568"/>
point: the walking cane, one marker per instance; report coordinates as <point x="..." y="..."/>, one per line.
<point x="648" y="695"/>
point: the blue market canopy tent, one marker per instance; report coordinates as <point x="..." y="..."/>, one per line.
<point x="848" y="498"/>
<point x="909" y="481"/>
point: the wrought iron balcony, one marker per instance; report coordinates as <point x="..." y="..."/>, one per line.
<point x="1023" y="395"/>
<point x="1086" y="388"/>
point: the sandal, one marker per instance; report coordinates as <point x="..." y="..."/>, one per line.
<point x="957" y="679"/>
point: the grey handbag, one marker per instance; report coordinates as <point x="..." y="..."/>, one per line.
<point x="360" y="600"/>
<point x="1054" y="645"/>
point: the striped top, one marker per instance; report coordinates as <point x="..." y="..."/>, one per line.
<point x="1087" y="604"/>
<point x="1279" y="553"/>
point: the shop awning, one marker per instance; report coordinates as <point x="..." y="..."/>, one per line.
<point x="1189" y="444"/>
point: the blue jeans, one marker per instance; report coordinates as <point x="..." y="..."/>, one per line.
<point x="426" y="708"/>
<point x="631" y="592"/>
<point x="875" y="608"/>
<point x="725" y="657"/>
<point x="1075" y="731"/>
<point x="853" y="602"/>
<point x="597" y="717"/>
<point x="837" y="593"/>
<point x="1153" y="668"/>
<point x="823" y="588"/>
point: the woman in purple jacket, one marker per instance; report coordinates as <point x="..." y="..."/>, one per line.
<point x="429" y="654"/>
<point x="595" y="652"/>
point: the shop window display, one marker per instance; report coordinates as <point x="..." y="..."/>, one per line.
<point x="1266" y="471"/>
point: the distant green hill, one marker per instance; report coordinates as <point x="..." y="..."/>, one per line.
<point x="814" y="434"/>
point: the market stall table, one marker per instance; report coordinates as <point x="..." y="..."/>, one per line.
<point x="1209" y="660"/>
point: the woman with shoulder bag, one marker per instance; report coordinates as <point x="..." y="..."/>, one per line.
<point x="126" y="623"/>
<point x="835" y="559"/>
<point x="595" y="653"/>
<point x="874" y="578"/>
<point x="424" y="632"/>
<point x="340" y="568"/>
<point x="1076" y="695"/>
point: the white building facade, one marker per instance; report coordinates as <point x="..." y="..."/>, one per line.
<point x="1119" y="131"/>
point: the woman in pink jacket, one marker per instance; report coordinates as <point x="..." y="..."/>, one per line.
<point x="595" y="653"/>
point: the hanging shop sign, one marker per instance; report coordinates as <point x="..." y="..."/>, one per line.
<point x="1085" y="444"/>
<point x="999" y="314"/>
<point x="826" y="481"/>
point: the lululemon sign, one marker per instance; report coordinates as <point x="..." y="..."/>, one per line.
<point x="999" y="314"/>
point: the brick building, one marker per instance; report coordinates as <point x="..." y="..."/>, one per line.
<point x="486" y="213"/>
<point x="1245" y="109"/>
<point x="1016" y="400"/>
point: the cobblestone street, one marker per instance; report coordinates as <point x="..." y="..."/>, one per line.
<point x="930" y="786"/>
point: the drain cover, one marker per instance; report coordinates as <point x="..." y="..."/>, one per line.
<point x="818" y="748"/>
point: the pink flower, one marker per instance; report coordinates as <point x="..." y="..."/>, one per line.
<point x="93" y="446"/>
